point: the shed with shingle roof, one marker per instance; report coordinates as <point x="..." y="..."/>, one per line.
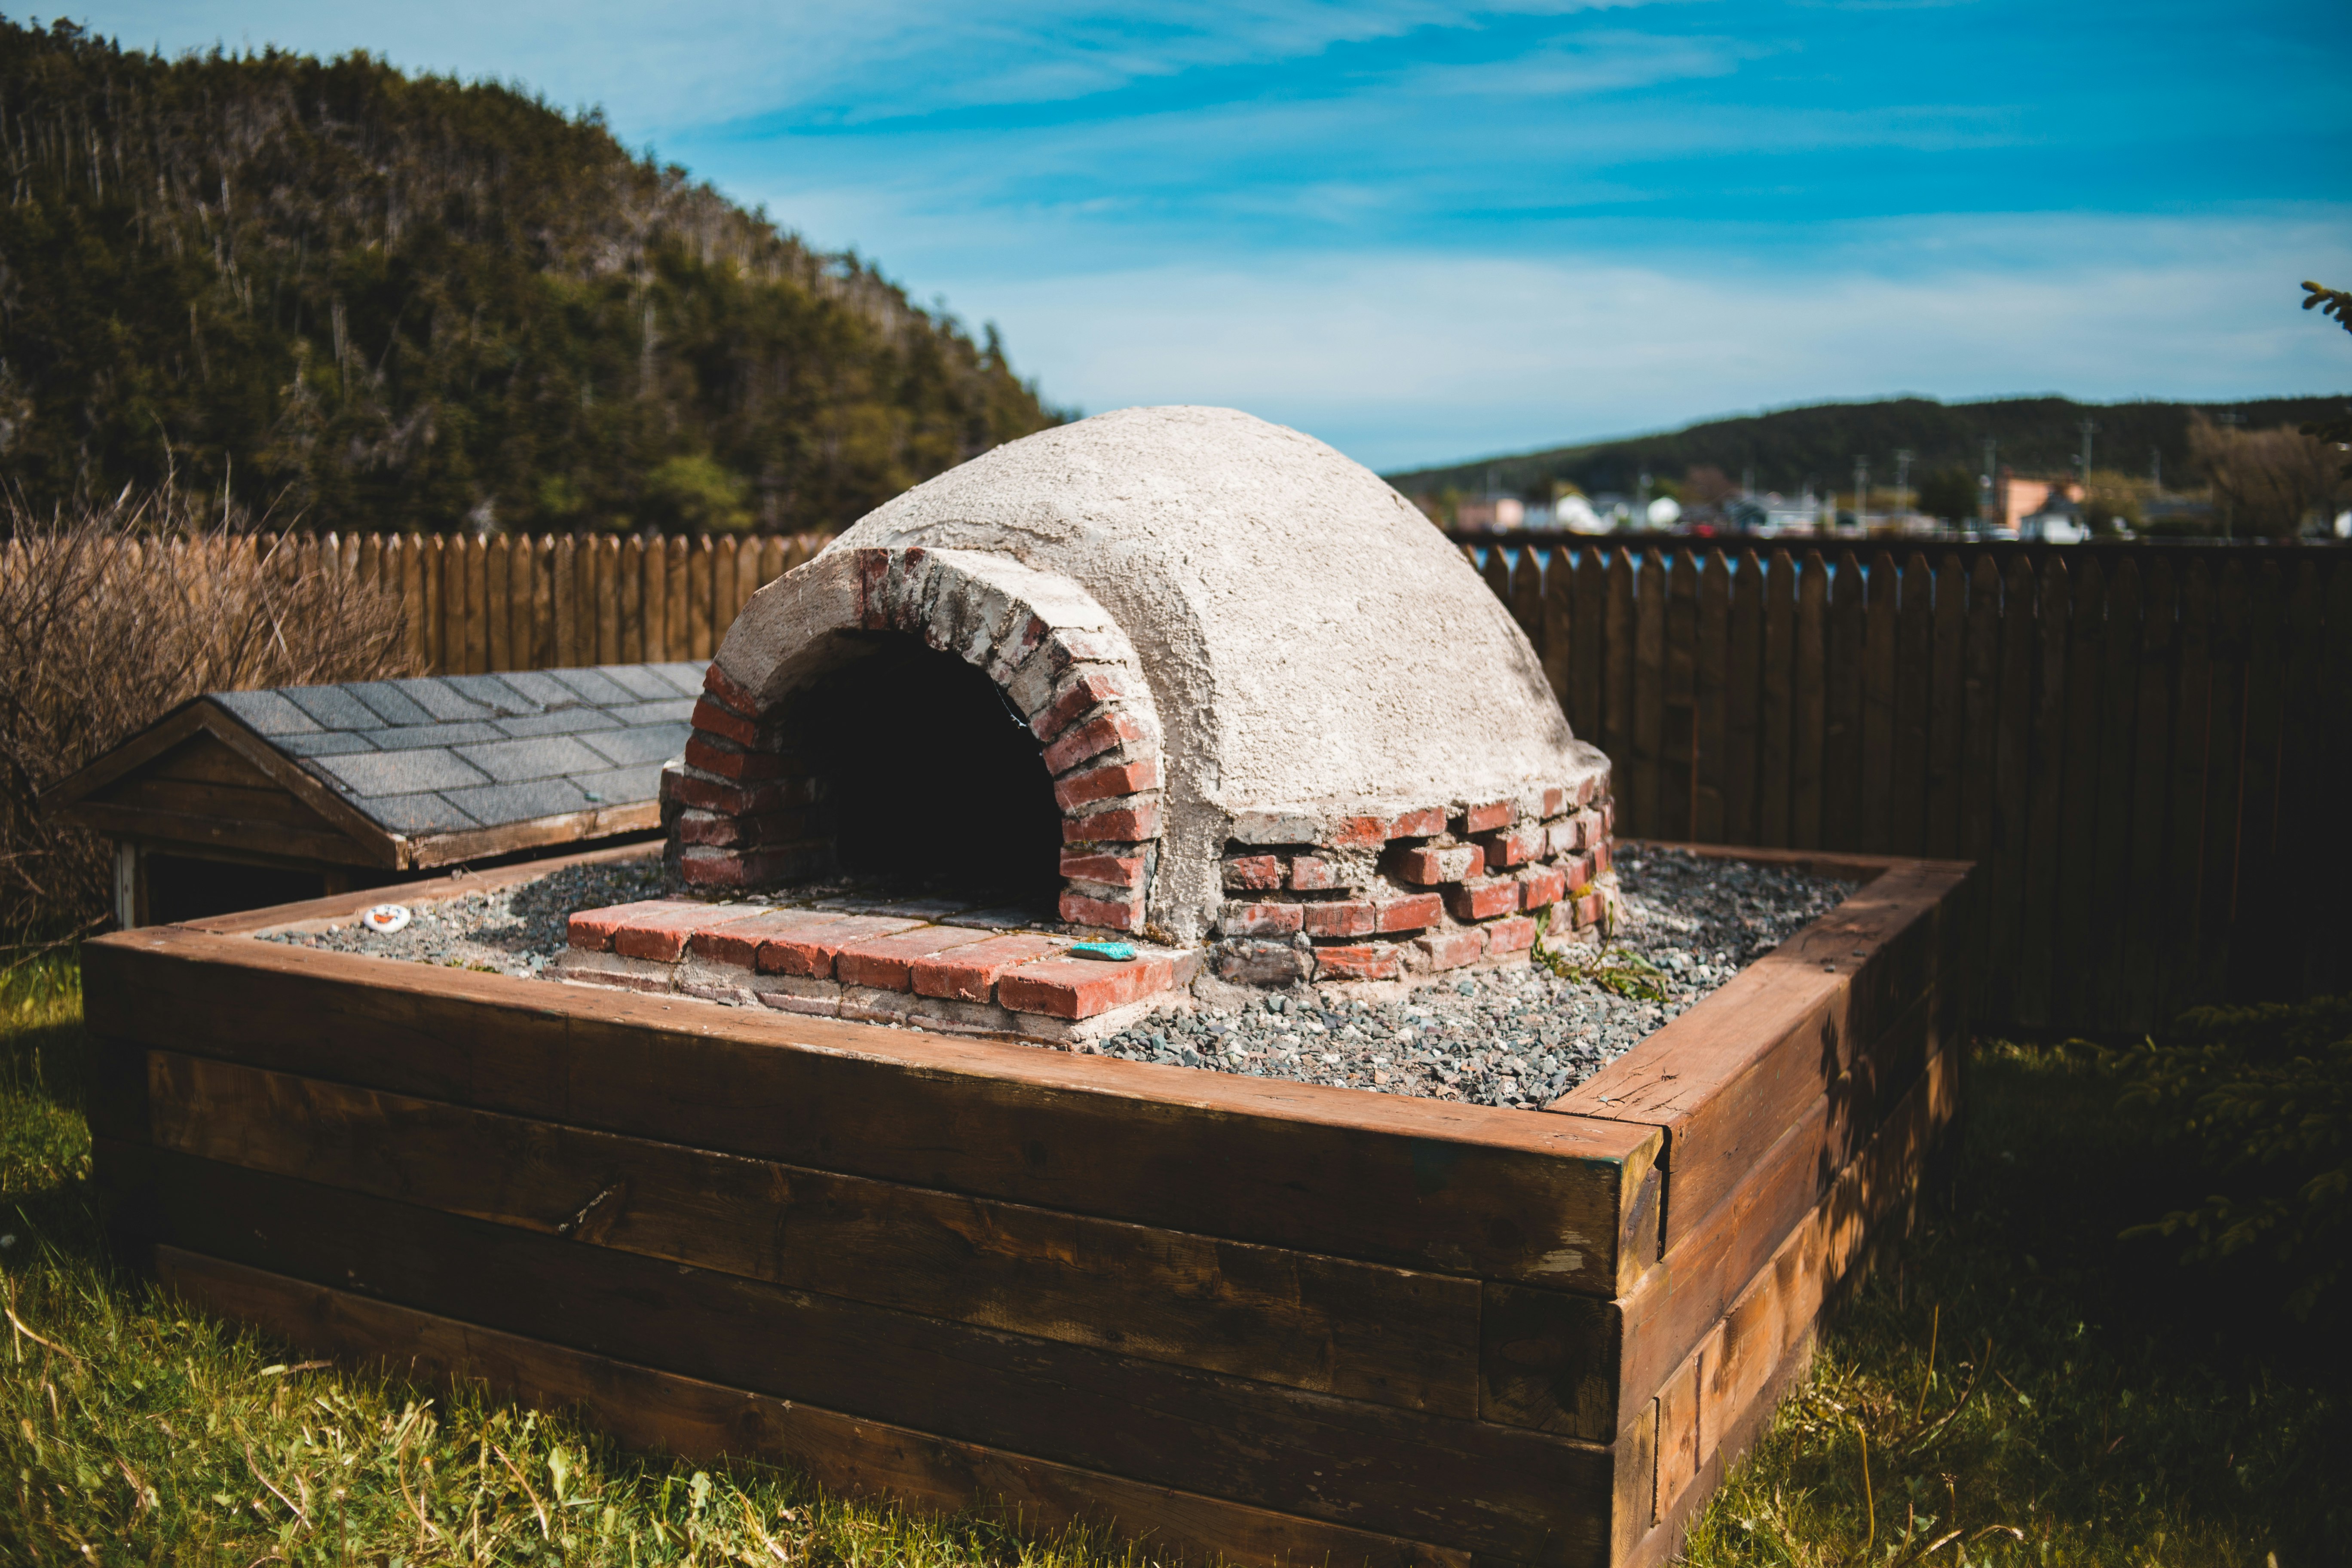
<point x="305" y="790"/>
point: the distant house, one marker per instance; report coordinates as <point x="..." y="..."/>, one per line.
<point x="1491" y="514"/>
<point x="2057" y="520"/>
<point x="2020" y="499"/>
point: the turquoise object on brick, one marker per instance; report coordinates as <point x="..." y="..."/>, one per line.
<point x="1108" y="952"/>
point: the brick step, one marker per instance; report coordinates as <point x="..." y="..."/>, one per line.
<point x="967" y="973"/>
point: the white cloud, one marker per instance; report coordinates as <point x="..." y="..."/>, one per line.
<point x="1401" y="359"/>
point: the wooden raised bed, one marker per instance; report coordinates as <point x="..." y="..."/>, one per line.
<point x="1237" y="1316"/>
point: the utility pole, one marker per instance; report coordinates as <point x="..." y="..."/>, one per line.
<point x="1902" y="477"/>
<point x="1861" y="489"/>
<point x="1991" y="502"/>
<point x="2156" y="469"/>
<point x="2089" y="425"/>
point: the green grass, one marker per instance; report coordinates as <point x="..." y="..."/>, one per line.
<point x="2089" y="1401"/>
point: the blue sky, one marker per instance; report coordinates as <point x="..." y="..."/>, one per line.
<point x="1425" y="231"/>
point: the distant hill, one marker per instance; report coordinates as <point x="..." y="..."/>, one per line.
<point x="394" y="302"/>
<point x="1789" y="447"/>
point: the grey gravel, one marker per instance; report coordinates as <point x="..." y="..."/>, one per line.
<point x="1517" y="1037"/>
<point x="515" y="930"/>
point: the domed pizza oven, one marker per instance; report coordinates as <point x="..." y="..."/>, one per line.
<point x="1180" y="675"/>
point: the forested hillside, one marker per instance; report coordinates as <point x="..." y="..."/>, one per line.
<point x="1789" y="446"/>
<point x="389" y="301"/>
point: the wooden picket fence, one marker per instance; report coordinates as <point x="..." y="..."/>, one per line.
<point x="2143" y="748"/>
<point x="475" y="604"/>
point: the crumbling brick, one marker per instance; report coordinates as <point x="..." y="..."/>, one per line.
<point x="1118" y="914"/>
<point x="970" y="974"/>
<point x="1416" y="912"/>
<point x="1517" y="846"/>
<point x="1106" y="783"/>
<point x="1428" y="867"/>
<point x="1477" y="900"/>
<point x="1492" y="815"/>
<point x="1314" y="873"/>
<point x="1365" y="960"/>
<point x="1244" y="873"/>
<point x="1091" y="738"/>
<point x="1127" y="824"/>
<point x="1080" y="988"/>
<point x="1513" y="935"/>
<point x="1452" y="948"/>
<point x="886" y="963"/>
<point x="1104" y="870"/>
<point x="1263" y="919"/>
<point x="1541" y="885"/>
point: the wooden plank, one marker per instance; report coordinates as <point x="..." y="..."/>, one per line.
<point x="2225" y="779"/>
<point x="1841" y="734"/>
<point x="1809" y="704"/>
<point x="1465" y="1484"/>
<point x="477" y="566"/>
<point x="2186" y="810"/>
<point x="498" y="599"/>
<point x="565" y="603"/>
<point x="259" y="806"/>
<point x="748" y="569"/>
<point x="1588" y="674"/>
<point x="1980" y="712"/>
<point x="1880" y="652"/>
<point x="677" y="631"/>
<point x="1637" y="785"/>
<point x="631" y="576"/>
<point x="1775" y="731"/>
<point x="1578" y="1367"/>
<point x="1414" y="1183"/>
<point x="2013" y="756"/>
<point x="1493" y="564"/>
<point x="2255" y="968"/>
<point x="415" y="627"/>
<point x="537" y="644"/>
<point x="701" y="582"/>
<point x="724" y="601"/>
<point x="317" y="914"/>
<point x="150" y="825"/>
<point x="1525" y="597"/>
<point x="1617" y="706"/>
<point x="2298" y="902"/>
<point x="1947" y="708"/>
<point x="2101" y="999"/>
<point x="1679" y="737"/>
<point x="205" y="758"/>
<point x="1724" y="1079"/>
<point x="433" y="565"/>
<point x="2150" y="884"/>
<point x="612" y="572"/>
<point x="1712" y="675"/>
<point x="1350" y="1329"/>
<point x="1914" y="614"/>
<point x="1742" y="701"/>
<point x="2082" y="794"/>
<point x="778" y="556"/>
<point x="703" y="1422"/>
<point x="2045" y="819"/>
<point x="533" y="833"/>
<point x="1558" y="643"/>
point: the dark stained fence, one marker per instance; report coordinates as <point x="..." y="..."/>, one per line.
<point x="2143" y="748"/>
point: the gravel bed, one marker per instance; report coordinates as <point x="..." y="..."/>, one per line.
<point x="1516" y="1036"/>
<point x="515" y="930"/>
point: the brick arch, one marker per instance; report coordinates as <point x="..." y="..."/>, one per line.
<point x="746" y="805"/>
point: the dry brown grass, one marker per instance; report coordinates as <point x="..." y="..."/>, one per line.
<point x="113" y="615"/>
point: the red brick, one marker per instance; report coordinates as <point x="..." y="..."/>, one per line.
<point x="711" y="719"/>
<point x="1513" y="935"/>
<point x="1261" y="920"/>
<point x="1107" y="871"/>
<point x="1426" y="823"/>
<point x="1570" y="835"/>
<point x="1103" y="783"/>
<point x="1452" y="949"/>
<point x="1312" y="873"/>
<point x="763" y="828"/>
<point x="707" y="867"/>
<point x="1128" y="824"/>
<point x="733" y="799"/>
<point x="1415" y="914"/>
<point x="1555" y="801"/>
<point x="1477" y="900"/>
<point x="737" y="942"/>
<point x="1515" y="846"/>
<point x="592" y="930"/>
<point x="1587" y="911"/>
<point x="1365" y="961"/>
<point x="732" y="762"/>
<point x="1357" y="833"/>
<point x="1092" y="737"/>
<point x="1575" y="870"/>
<point x="969" y="974"/>
<point x="810" y="953"/>
<point x="1428" y="867"/>
<point x="1250" y="873"/>
<point x="886" y="963"/>
<point x="1608" y="819"/>
<point x="1088" y="689"/>
<point x="1493" y="815"/>
<point x="1541" y="885"/>
<point x="873" y="579"/>
<point x="1600" y="858"/>
<point x="1080" y="987"/>
<point x="722" y="689"/>
<point x="1118" y="914"/>
<point x="654" y="927"/>
<point x="1354" y="918"/>
<point x="1089" y="647"/>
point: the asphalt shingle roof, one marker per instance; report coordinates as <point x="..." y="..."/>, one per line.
<point x="450" y="753"/>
